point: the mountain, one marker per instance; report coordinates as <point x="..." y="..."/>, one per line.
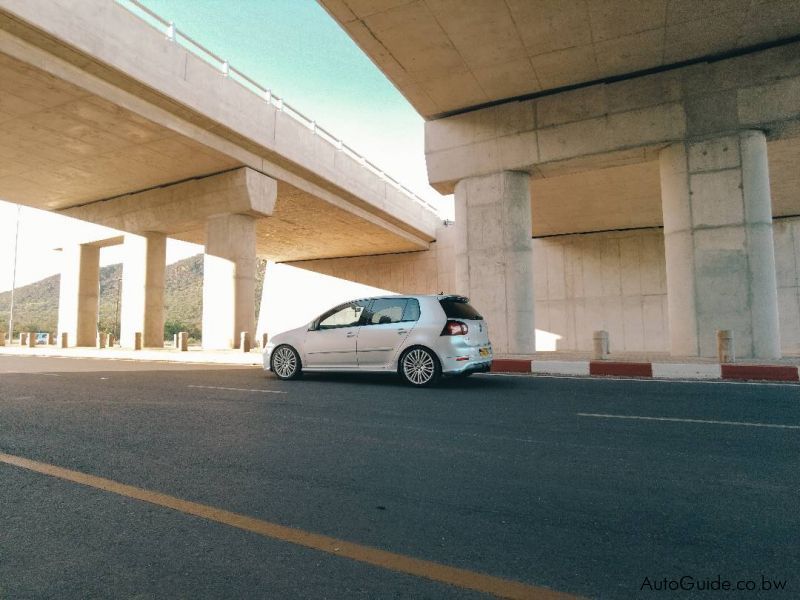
<point x="36" y="305"/>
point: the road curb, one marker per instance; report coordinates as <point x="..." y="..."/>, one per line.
<point x="604" y="368"/>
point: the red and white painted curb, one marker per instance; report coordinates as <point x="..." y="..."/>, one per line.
<point x="700" y="371"/>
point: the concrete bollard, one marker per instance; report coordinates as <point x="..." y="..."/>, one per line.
<point x="30" y="340"/>
<point x="175" y="341"/>
<point x="137" y="340"/>
<point x="63" y="341"/>
<point x="600" y="345"/>
<point x="23" y="338"/>
<point x="725" y="351"/>
<point x="244" y="341"/>
<point x="111" y="340"/>
<point x="48" y="339"/>
<point x="264" y="340"/>
<point x="102" y="340"/>
<point x="183" y="341"/>
<point x="2" y="338"/>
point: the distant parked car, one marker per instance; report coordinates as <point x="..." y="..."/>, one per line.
<point x="419" y="337"/>
<point x="41" y="338"/>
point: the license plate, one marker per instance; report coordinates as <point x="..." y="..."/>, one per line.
<point x="484" y="352"/>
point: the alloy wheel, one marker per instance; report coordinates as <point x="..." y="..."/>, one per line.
<point x="419" y="367"/>
<point x="285" y="362"/>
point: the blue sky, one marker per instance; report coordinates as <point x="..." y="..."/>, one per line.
<point x="295" y="48"/>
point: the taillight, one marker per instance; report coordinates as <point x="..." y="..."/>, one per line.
<point x="455" y="328"/>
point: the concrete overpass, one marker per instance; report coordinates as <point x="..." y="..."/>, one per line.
<point x="657" y="139"/>
<point x="119" y="119"/>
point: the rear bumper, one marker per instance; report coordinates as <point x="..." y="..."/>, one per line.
<point x="457" y="357"/>
<point x="471" y="367"/>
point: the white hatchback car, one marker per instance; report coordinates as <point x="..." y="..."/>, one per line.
<point x="419" y="337"/>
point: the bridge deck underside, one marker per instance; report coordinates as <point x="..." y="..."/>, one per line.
<point x="61" y="147"/>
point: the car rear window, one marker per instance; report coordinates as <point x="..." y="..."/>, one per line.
<point x="459" y="308"/>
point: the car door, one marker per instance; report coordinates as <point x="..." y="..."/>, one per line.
<point x="385" y="327"/>
<point x="331" y="342"/>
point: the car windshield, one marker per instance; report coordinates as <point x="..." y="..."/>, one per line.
<point x="459" y="308"/>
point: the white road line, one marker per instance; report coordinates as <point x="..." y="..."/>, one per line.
<point x="673" y="420"/>
<point x="230" y="389"/>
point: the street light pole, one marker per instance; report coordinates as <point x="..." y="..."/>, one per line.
<point x="13" y="280"/>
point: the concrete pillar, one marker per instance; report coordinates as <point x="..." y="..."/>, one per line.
<point x="78" y="296"/>
<point x="229" y="269"/>
<point x="494" y="256"/>
<point x="142" y="304"/>
<point x="719" y="249"/>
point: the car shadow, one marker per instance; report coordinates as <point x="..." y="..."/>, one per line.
<point x="393" y="380"/>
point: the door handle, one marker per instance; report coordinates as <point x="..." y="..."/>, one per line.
<point x="402" y="331"/>
<point x="351" y="334"/>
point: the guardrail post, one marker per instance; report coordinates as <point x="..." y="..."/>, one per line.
<point x="600" y="345"/>
<point x="725" y="350"/>
<point x="244" y="341"/>
<point x="137" y="340"/>
<point x="63" y="340"/>
<point x="31" y="340"/>
<point x="102" y="339"/>
<point x="183" y="341"/>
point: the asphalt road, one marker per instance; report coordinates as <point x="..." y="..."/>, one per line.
<point x="508" y="476"/>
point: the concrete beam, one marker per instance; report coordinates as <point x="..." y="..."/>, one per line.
<point x="619" y="123"/>
<point x="184" y="206"/>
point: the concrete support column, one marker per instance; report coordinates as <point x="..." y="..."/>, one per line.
<point x="78" y="296"/>
<point x="142" y="305"/>
<point x="229" y="269"/>
<point x="719" y="249"/>
<point x="494" y="256"/>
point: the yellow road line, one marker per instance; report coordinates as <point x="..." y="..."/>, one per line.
<point x="502" y="588"/>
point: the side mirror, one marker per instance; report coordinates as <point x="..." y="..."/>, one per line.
<point x="312" y="326"/>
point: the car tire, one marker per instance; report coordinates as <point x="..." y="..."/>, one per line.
<point x="285" y="363"/>
<point x="419" y="367"/>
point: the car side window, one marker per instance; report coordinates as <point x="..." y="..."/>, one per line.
<point x="393" y="310"/>
<point x="342" y="316"/>
<point x="411" y="313"/>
